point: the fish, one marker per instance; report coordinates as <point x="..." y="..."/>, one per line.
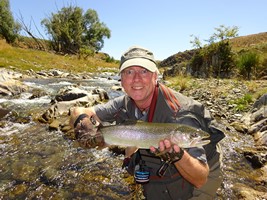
<point x="145" y="134"/>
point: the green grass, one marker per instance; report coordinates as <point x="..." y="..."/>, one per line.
<point x="243" y="103"/>
<point x="26" y="59"/>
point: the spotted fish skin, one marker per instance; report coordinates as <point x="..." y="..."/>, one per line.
<point x="145" y="134"/>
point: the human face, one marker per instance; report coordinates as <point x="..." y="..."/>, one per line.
<point x="139" y="84"/>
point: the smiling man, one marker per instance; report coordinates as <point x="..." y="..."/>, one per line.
<point x="177" y="173"/>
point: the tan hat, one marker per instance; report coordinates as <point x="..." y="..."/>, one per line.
<point x="138" y="56"/>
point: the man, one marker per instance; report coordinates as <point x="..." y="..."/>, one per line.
<point x="178" y="173"/>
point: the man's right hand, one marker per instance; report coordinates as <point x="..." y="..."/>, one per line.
<point x="87" y="135"/>
<point x="85" y="122"/>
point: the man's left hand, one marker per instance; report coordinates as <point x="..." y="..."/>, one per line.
<point x="168" y="151"/>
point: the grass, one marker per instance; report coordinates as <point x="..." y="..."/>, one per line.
<point x="180" y="83"/>
<point x="29" y="59"/>
<point x="242" y="104"/>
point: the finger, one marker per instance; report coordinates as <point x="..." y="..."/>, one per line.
<point x="167" y="143"/>
<point x="152" y="149"/>
<point x="161" y="145"/>
<point x="176" y="148"/>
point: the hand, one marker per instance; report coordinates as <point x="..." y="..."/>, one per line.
<point x="168" y="151"/>
<point x="83" y="123"/>
<point x="78" y="113"/>
<point x="86" y="133"/>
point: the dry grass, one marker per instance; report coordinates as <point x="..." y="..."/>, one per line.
<point x="256" y="42"/>
<point x="26" y="59"/>
<point x="249" y="40"/>
<point x="180" y="83"/>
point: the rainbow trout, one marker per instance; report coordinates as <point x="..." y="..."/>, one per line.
<point x="144" y="134"/>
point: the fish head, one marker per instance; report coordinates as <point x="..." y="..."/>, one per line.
<point x="188" y="137"/>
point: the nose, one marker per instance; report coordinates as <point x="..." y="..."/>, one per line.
<point x="137" y="76"/>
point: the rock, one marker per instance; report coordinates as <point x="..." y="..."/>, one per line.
<point x="116" y="88"/>
<point x="259" y="114"/>
<point x="256" y="156"/>
<point x="8" y="85"/>
<point x="240" y="127"/>
<point x="3" y="112"/>
<point x="245" y="192"/>
<point x="69" y="93"/>
<point x="262" y="101"/>
<point x="261" y="138"/>
<point x="36" y="93"/>
<point x="103" y="95"/>
<point x="23" y="172"/>
<point x="54" y="125"/>
<point x="12" y="87"/>
<point x="259" y="126"/>
<point x="74" y="93"/>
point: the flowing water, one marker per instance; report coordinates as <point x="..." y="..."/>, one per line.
<point x="40" y="164"/>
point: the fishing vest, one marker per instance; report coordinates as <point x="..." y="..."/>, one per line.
<point x="167" y="106"/>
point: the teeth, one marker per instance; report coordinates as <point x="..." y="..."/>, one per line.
<point x="137" y="88"/>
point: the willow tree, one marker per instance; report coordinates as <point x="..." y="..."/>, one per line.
<point x="71" y="31"/>
<point x="8" y="27"/>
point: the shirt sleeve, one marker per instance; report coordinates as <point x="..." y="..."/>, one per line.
<point x="198" y="153"/>
<point x="107" y="112"/>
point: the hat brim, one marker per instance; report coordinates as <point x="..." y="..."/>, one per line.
<point x="142" y="62"/>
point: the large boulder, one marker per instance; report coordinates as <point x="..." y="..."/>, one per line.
<point x="256" y="119"/>
<point x="68" y="98"/>
<point x="9" y="86"/>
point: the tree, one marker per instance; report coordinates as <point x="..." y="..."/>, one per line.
<point x="224" y="33"/>
<point x="73" y="32"/>
<point x="216" y="57"/>
<point x="8" y="27"/>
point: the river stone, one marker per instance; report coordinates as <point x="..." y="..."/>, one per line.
<point x="54" y="125"/>
<point x="23" y="171"/>
<point x="240" y="127"/>
<point x="258" y="115"/>
<point x="257" y="156"/>
<point x="262" y="101"/>
<point x="19" y="191"/>
<point x="8" y="85"/>
<point x="261" y="138"/>
<point x="247" y="193"/>
<point x="3" y="112"/>
<point x="258" y="126"/>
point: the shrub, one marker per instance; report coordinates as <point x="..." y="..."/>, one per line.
<point x="247" y="63"/>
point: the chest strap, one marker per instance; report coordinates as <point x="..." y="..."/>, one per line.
<point x="153" y="104"/>
<point x="170" y="98"/>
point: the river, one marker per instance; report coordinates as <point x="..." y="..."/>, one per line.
<point x="37" y="163"/>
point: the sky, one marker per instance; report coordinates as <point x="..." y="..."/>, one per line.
<point x="163" y="26"/>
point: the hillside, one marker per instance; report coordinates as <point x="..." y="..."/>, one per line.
<point x="253" y="40"/>
<point x="257" y="42"/>
<point x="24" y="58"/>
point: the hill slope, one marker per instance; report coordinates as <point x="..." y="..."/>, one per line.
<point x="254" y="41"/>
<point x="31" y="59"/>
<point x="25" y="59"/>
<point x="249" y="40"/>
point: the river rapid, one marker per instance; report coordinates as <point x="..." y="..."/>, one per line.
<point x="37" y="163"/>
